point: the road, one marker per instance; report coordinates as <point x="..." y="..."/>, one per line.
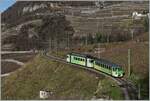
<point x="17" y="52"/>
<point x="128" y="89"/>
<point x="13" y="61"/>
<point x="80" y="17"/>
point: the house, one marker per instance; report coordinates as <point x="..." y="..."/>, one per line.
<point x="138" y="16"/>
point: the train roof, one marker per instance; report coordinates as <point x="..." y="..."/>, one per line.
<point x="82" y="55"/>
<point x="107" y="62"/>
<point x="96" y="59"/>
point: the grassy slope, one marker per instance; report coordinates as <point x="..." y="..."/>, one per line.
<point x="139" y="62"/>
<point x="63" y="81"/>
<point x="118" y="53"/>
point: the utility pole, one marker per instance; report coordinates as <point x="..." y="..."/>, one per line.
<point x="99" y="50"/>
<point x="86" y="40"/>
<point x="132" y="33"/>
<point x="97" y="26"/>
<point x="110" y="26"/>
<point x="99" y="42"/>
<point x="68" y="40"/>
<point x="102" y="24"/>
<point x="139" y="91"/>
<point x="129" y="62"/>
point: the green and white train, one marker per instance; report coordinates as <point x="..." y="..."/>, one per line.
<point x="98" y="64"/>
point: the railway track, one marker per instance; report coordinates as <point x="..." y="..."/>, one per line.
<point x="129" y="90"/>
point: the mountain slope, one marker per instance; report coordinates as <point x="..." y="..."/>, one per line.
<point x="63" y="81"/>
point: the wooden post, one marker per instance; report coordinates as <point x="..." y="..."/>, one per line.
<point x="129" y="62"/>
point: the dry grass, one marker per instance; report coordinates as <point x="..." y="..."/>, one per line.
<point x="66" y="82"/>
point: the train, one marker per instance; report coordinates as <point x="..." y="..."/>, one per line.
<point x="101" y="65"/>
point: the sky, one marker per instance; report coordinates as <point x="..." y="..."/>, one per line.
<point x="4" y="4"/>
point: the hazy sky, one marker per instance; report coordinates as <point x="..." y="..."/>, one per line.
<point x="4" y="4"/>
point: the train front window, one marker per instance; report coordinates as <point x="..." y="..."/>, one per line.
<point x="114" y="69"/>
<point x="91" y="61"/>
<point x="119" y="69"/>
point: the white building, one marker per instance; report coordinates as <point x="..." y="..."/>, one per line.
<point x="44" y="94"/>
<point x="136" y="15"/>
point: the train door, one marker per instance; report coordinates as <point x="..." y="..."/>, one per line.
<point x="68" y="58"/>
<point x="114" y="72"/>
<point x="90" y="62"/>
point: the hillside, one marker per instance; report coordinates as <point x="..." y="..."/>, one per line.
<point x="63" y="81"/>
<point x="102" y="29"/>
<point x="84" y="18"/>
<point x="118" y="53"/>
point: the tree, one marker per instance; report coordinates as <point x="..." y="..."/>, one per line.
<point x="90" y="39"/>
<point x="98" y="37"/>
<point x="146" y="24"/>
<point x="22" y="42"/>
<point x="55" y="28"/>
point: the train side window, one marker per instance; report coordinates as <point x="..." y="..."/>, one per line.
<point x="106" y="67"/>
<point x="102" y="65"/>
<point x="96" y="63"/>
